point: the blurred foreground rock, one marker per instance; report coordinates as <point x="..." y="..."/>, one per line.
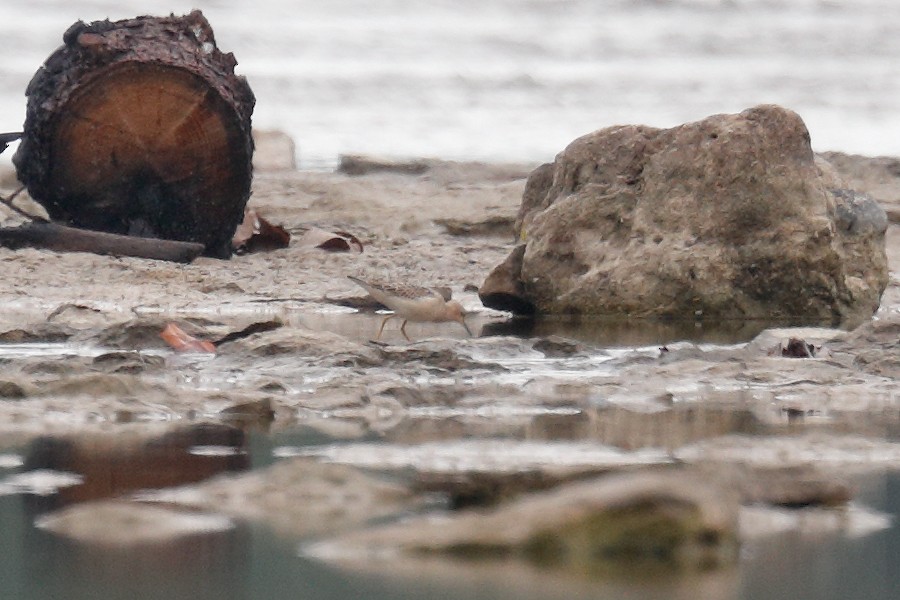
<point x="661" y="518"/>
<point x="121" y="524"/>
<point x="297" y="497"/>
<point x="731" y="217"/>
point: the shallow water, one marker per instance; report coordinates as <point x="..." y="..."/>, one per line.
<point x="589" y="348"/>
<point x="250" y="562"/>
<point x="517" y="80"/>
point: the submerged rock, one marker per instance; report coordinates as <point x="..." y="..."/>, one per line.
<point x="322" y="346"/>
<point x="556" y="346"/>
<point x="731" y="217"/>
<point x="435" y="356"/>
<point x="253" y="412"/>
<point x="794" y="487"/>
<point x="129" y="362"/>
<point x="297" y="497"/>
<point x="119" y="523"/>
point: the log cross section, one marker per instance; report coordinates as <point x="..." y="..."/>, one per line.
<point x="140" y="127"/>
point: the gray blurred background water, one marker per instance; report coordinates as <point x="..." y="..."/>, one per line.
<point x="517" y="80"/>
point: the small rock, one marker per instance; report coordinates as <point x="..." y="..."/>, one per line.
<point x="364" y="165"/>
<point x="799" y="487"/>
<point x="307" y="343"/>
<point x="12" y="390"/>
<point x="476" y="488"/>
<point x="444" y="359"/>
<point x="557" y="347"/>
<point x="96" y="385"/>
<point x="39" y="332"/>
<point x="77" y="316"/>
<point x="257" y="411"/>
<point x="772" y="341"/>
<point x="128" y="362"/>
<point x="298" y="497"/>
<point x="797" y="348"/>
<point x="498" y="225"/>
<point x="273" y="151"/>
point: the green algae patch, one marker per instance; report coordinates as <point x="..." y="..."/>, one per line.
<point x="656" y="530"/>
<point x="655" y="521"/>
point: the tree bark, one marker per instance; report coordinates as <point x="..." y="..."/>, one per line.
<point x="140" y="127"/>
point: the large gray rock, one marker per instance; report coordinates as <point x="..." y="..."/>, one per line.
<point x="731" y="217"/>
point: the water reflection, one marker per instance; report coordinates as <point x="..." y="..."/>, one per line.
<point x="667" y="427"/>
<point x="113" y="464"/>
<point x="510" y="580"/>
<point x="630" y="332"/>
<point x="598" y="331"/>
<point x="210" y="566"/>
<point x="831" y="565"/>
<point x="252" y="562"/>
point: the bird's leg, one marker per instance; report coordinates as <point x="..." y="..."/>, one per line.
<point x="383" y="323"/>
<point x="403" y="330"/>
<point x="463" y="323"/>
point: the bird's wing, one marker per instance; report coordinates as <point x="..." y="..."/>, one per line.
<point x="407" y="292"/>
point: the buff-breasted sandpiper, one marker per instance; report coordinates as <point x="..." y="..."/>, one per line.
<point x="412" y="303"/>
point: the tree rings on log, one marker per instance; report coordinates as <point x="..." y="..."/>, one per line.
<point x="140" y="127"/>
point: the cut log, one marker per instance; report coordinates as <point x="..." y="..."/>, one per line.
<point x="140" y="127"/>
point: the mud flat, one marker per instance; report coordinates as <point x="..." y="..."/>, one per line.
<point x="479" y="420"/>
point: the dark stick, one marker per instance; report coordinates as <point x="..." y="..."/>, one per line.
<point x="9" y="202"/>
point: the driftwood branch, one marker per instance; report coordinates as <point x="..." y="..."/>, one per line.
<point x="69" y="239"/>
<point x="7" y="138"/>
<point x="9" y="204"/>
